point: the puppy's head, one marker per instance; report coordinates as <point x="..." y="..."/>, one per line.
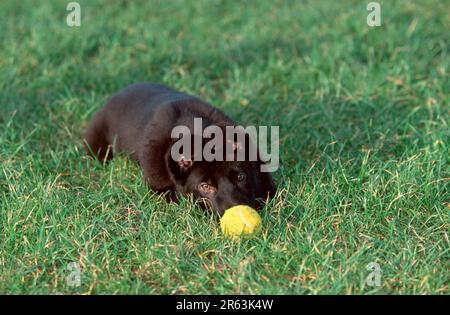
<point x="223" y="183"/>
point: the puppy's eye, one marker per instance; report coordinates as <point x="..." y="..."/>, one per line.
<point x="241" y="176"/>
<point x="207" y="189"/>
<point x="204" y="186"/>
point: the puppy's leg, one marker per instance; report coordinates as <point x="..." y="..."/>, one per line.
<point x="95" y="140"/>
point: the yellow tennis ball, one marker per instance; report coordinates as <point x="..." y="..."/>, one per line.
<point x="240" y="220"/>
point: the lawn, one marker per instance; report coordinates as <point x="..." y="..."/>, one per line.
<point x="364" y="144"/>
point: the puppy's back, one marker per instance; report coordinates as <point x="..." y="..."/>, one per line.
<point x="124" y="121"/>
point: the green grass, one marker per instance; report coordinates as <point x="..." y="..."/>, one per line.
<point x="363" y="115"/>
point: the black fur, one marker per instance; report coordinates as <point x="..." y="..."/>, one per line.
<point x="139" y="120"/>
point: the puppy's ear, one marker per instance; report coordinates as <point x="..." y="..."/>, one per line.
<point x="266" y="186"/>
<point x="179" y="167"/>
<point x="184" y="164"/>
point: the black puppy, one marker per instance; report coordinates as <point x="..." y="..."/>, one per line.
<point x="139" y="120"/>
